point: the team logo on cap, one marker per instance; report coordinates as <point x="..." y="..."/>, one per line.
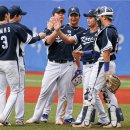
<point x="73" y="9"/>
<point x="59" y="7"/>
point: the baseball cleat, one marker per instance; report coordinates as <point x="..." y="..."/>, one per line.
<point x="110" y="126"/>
<point x="118" y="125"/>
<point x="82" y="126"/>
<point x="70" y="120"/>
<point x="59" y="122"/>
<point x="4" y="123"/>
<point x="99" y="124"/>
<point x="19" y="122"/>
<point x="78" y="121"/>
<point x="31" y="120"/>
<point x="44" y="118"/>
<point x="1" y="124"/>
<point x="7" y="123"/>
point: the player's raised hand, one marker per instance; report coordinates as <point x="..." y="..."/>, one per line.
<point x="57" y="24"/>
<point x="50" y="23"/>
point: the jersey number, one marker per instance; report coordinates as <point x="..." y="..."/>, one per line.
<point x="5" y="43"/>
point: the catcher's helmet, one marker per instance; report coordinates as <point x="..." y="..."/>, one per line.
<point x="105" y="11"/>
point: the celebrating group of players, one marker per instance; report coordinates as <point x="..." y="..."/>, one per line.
<point x="68" y="47"/>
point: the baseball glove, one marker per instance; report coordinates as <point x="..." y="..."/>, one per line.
<point x="113" y="83"/>
<point x="77" y="79"/>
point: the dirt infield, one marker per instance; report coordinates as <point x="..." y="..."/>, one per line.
<point x="32" y="93"/>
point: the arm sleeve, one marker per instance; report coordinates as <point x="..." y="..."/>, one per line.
<point x="35" y="39"/>
<point x="77" y="38"/>
<point x="23" y="35"/>
<point x="27" y="30"/>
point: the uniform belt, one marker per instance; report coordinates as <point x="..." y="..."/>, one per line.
<point x="89" y="62"/>
<point x="60" y="61"/>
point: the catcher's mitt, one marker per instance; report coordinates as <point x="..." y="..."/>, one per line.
<point x="77" y="79"/>
<point x="113" y="83"/>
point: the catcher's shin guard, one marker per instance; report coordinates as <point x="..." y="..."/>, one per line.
<point x="119" y="115"/>
<point x="85" y="108"/>
<point x="113" y="115"/>
<point x="93" y="115"/>
<point x="88" y="117"/>
<point x="92" y="119"/>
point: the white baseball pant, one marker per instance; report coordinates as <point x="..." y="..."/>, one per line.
<point x="102" y="116"/>
<point x="9" y="72"/>
<point x="55" y="74"/>
<point x="96" y="83"/>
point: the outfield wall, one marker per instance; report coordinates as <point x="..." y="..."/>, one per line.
<point x="39" y="12"/>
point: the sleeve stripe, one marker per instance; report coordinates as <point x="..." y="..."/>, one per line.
<point x="29" y="37"/>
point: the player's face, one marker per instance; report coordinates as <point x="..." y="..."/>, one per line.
<point x="74" y="19"/>
<point x="91" y="22"/>
<point x="60" y="15"/>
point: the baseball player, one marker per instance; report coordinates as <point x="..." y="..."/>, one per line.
<point x="106" y="43"/>
<point x="15" y="17"/>
<point x="86" y="39"/>
<point x="74" y="16"/>
<point x="10" y="34"/>
<point x="59" y="69"/>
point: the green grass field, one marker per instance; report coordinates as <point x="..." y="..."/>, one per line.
<point x="35" y="80"/>
<point x="29" y="108"/>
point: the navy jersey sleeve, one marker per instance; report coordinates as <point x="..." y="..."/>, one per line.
<point x="107" y="40"/>
<point x="22" y="34"/>
<point x="78" y="47"/>
<point x="77" y="37"/>
<point x="26" y="29"/>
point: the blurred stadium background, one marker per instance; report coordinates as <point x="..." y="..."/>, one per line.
<point x="39" y="12"/>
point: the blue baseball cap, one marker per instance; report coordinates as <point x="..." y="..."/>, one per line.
<point x="16" y="10"/>
<point x="3" y="11"/>
<point x="73" y="10"/>
<point x="58" y="9"/>
<point x="91" y="13"/>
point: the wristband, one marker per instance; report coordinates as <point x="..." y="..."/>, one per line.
<point x="106" y="66"/>
<point x="88" y="52"/>
<point x="47" y="31"/>
<point x="78" y="72"/>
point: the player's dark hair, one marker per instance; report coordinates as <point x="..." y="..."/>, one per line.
<point x="2" y="18"/>
<point x="13" y="15"/>
<point x="2" y="15"/>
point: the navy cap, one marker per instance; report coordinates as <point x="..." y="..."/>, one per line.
<point x="58" y="9"/>
<point x="3" y="11"/>
<point x="73" y="10"/>
<point x="91" y="13"/>
<point x="16" y="10"/>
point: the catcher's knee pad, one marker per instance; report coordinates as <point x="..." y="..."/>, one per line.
<point x="89" y="115"/>
<point x="113" y="115"/>
<point x="119" y="115"/>
<point x="89" y="96"/>
<point x="92" y="118"/>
